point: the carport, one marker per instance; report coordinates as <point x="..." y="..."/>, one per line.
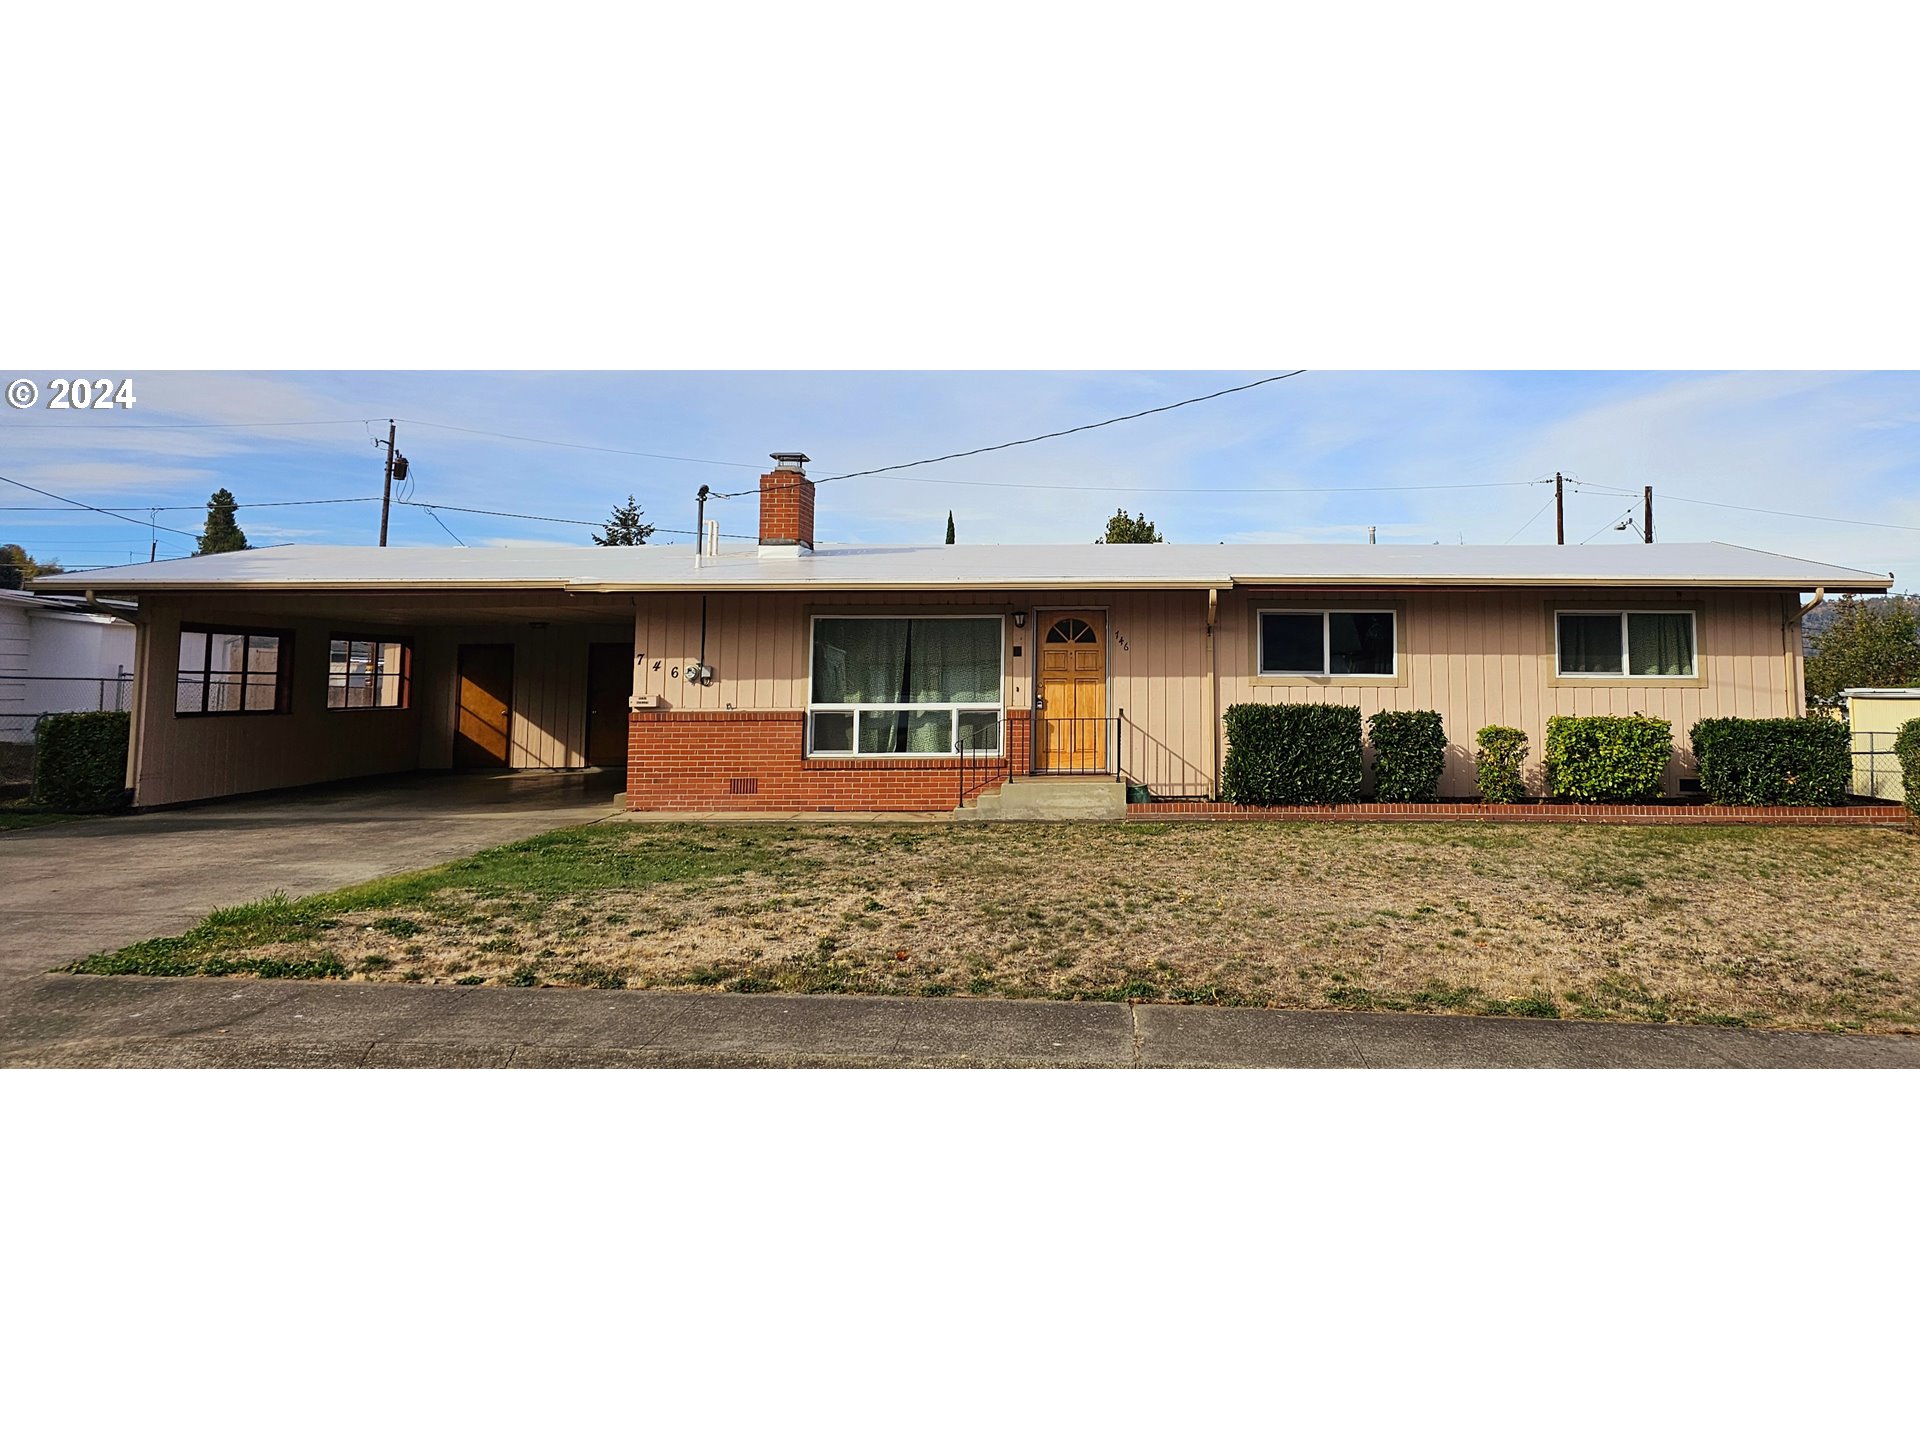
<point x="242" y="690"/>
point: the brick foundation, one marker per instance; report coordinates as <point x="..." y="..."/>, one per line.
<point x="756" y="760"/>
<point x="1534" y="814"/>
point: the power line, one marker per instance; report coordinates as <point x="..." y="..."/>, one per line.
<point x="1666" y="495"/>
<point x="115" y="514"/>
<point x="1056" y="434"/>
<point x="1609" y="525"/>
<point x="1530" y="519"/>
<point x="363" y="421"/>
<point x="1195" y="490"/>
<point x="192" y="425"/>
<point x="549" y="519"/>
<point x="573" y="445"/>
<point x="442" y="524"/>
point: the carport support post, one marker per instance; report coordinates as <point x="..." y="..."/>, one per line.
<point x="386" y="491"/>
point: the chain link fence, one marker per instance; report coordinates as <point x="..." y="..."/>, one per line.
<point x="1876" y="769"/>
<point x="25" y="698"/>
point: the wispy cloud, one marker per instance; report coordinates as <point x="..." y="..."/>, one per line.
<point x="1837" y="444"/>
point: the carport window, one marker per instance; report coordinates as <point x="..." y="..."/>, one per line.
<point x="233" y="672"/>
<point x="364" y="673"/>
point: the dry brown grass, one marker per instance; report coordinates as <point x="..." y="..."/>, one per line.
<point x="1727" y="925"/>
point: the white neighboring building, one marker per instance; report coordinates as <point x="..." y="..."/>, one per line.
<point x="55" y="654"/>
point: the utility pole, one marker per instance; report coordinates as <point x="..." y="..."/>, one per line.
<point x="386" y="492"/>
<point x="1559" y="509"/>
<point x="1646" y="525"/>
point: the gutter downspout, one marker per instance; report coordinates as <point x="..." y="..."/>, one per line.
<point x="142" y="651"/>
<point x="1795" y="656"/>
<point x="1212" y="700"/>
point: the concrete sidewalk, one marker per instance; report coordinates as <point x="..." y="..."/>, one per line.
<point x="83" y="1020"/>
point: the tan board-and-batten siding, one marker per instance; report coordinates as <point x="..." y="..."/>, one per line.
<point x="1479" y="657"/>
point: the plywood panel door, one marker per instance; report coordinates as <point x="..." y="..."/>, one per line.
<point x="486" y="707"/>
<point x="609" y="683"/>
<point x="1073" y="691"/>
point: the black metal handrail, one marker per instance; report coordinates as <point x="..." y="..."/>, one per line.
<point x="982" y="750"/>
<point x="1076" y="745"/>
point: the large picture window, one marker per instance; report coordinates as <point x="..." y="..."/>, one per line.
<point x="905" y="686"/>
<point x="1328" y="642"/>
<point x="1656" y="644"/>
<point x="233" y="672"/>
<point x="367" y="674"/>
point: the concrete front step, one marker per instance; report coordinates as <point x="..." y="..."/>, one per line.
<point x="1042" y="797"/>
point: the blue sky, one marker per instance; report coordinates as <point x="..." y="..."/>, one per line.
<point x="1829" y="444"/>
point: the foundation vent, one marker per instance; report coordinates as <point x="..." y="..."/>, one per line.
<point x="743" y="785"/>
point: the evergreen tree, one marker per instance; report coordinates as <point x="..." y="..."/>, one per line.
<point x="1869" y="643"/>
<point x="222" y="532"/>
<point x="17" y="567"/>
<point x="624" y="527"/>
<point x="1125" y="529"/>
<point x="949" y="527"/>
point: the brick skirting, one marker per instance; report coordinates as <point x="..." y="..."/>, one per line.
<point x="1535" y="814"/>
<point x="756" y="760"/>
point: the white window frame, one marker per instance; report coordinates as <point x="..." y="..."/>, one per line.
<point x="1326" y="644"/>
<point x="1625" y="671"/>
<point x="827" y="707"/>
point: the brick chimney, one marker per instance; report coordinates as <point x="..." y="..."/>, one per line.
<point x="786" y="506"/>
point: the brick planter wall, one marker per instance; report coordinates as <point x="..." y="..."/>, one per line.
<point x="1535" y="814"/>
<point x="755" y="760"/>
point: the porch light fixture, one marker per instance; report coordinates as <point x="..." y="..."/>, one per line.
<point x="1019" y="619"/>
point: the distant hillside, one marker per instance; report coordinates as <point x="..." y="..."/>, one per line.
<point x="1821" y="616"/>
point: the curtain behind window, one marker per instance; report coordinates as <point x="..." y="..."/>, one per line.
<point x="906" y="662"/>
<point x="1660" y="644"/>
<point x="1590" y="645"/>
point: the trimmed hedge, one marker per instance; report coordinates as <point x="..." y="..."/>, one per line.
<point x="1499" y="760"/>
<point x="1292" y="755"/>
<point x="1602" y="759"/>
<point x="1773" y="762"/>
<point x="80" y="759"/>
<point x="1906" y="746"/>
<point x="1409" y="752"/>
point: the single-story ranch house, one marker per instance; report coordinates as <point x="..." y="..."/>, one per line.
<point x="789" y="676"/>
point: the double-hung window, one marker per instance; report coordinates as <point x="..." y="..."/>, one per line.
<point x="367" y="674"/>
<point x="233" y="672"/>
<point x="1656" y="644"/>
<point x="1328" y="642"/>
<point x="905" y="686"/>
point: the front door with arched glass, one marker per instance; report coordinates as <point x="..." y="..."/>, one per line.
<point x="1070" y="730"/>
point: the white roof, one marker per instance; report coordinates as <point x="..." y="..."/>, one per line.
<point x="57" y="607"/>
<point x="945" y="567"/>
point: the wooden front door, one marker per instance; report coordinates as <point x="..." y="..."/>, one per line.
<point x="609" y="683"/>
<point x="1072" y="723"/>
<point x="486" y="707"/>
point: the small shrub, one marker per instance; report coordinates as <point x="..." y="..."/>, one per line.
<point x="1773" y="762"/>
<point x="1598" y="759"/>
<point x="1499" y="760"/>
<point x="80" y="760"/>
<point x="525" y="977"/>
<point x="1906" y="747"/>
<point x="1409" y="752"/>
<point x="1292" y="755"/>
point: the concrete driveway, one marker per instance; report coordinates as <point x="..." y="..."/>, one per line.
<point x="69" y="890"/>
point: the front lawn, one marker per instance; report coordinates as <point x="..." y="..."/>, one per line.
<point x="1714" y="925"/>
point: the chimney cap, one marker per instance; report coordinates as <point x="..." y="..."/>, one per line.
<point x="789" y="460"/>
